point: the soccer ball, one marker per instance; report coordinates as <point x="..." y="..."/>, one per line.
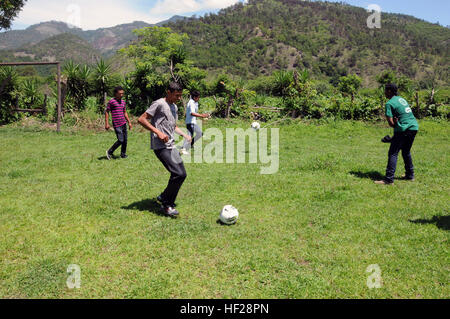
<point x="229" y="215"/>
<point x="256" y="126"/>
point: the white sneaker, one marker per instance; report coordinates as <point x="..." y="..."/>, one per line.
<point x="184" y="152"/>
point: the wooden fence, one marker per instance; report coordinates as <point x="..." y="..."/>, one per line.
<point x="44" y="108"/>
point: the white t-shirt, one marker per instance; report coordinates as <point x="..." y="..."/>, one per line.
<point x="192" y="107"/>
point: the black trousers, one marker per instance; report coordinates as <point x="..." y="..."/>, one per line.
<point x="172" y="161"/>
<point x="122" y="139"/>
<point x="401" y="142"/>
<point x="193" y="129"/>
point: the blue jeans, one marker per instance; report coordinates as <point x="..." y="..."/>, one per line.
<point x="402" y="141"/>
<point x="122" y="140"/>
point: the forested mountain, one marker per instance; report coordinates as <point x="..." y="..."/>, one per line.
<point x="62" y="47"/>
<point x="329" y="39"/>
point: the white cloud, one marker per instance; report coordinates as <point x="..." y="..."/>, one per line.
<point x="93" y="14"/>
<point x="171" y="7"/>
<point x="90" y="14"/>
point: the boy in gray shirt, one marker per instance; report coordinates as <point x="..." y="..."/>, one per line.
<point x="161" y="120"/>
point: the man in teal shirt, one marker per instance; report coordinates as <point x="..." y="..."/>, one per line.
<point x="399" y="116"/>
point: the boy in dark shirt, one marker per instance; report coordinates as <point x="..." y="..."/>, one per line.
<point x="119" y="115"/>
<point x="399" y="116"/>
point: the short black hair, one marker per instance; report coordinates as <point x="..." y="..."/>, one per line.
<point x="195" y="94"/>
<point x="391" y="87"/>
<point x="117" y="89"/>
<point x="173" y="86"/>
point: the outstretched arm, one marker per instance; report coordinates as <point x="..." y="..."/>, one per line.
<point x="200" y="115"/>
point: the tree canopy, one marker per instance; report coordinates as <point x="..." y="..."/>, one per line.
<point x="9" y="9"/>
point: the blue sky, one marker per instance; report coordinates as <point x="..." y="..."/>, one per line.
<point x="93" y="14"/>
<point x="430" y="10"/>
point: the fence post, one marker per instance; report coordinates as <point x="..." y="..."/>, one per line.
<point x="58" y="125"/>
<point x="44" y="107"/>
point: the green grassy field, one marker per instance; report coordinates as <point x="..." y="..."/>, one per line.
<point x="309" y="231"/>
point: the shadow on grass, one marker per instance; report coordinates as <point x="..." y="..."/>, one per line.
<point x="373" y="175"/>
<point x="442" y="222"/>
<point x="219" y="222"/>
<point x="147" y="205"/>
<point x="104" y="158"/>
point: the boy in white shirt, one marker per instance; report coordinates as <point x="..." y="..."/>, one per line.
<point x="191" y="122"/>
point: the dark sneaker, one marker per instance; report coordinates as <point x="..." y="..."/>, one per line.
<point x="387" y="139"/>
<point x="108" y="155"/>
<point x="160" y="200"/>
<point x="124" y="156"/>
<point x="170" y="211"/>
<point x="408" y="178"/>
<point x="383" y="183"/>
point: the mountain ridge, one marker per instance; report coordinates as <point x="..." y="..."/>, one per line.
<point x="107" y="40"/>
<point x="262" y="36"/>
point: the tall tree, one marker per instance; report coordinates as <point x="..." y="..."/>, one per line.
<point x="9" y="9"/>
<point x="160" y="57"/>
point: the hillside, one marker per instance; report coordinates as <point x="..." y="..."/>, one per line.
<point x="34" y="34"/>
<point x="61" y="47"/>
<point x="329" y="39"/>
<point x="262" y="36"/>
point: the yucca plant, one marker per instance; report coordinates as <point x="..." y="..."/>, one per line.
<point x="9" y="91"/>
<point x="102" y="74"/>
<point x="30" y="93"/>
<point x="282" y="81"/>
<point x="78" y="78"/>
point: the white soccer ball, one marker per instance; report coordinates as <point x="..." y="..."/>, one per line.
<point x="229" y="215"/>
<point x="256" y="126"/>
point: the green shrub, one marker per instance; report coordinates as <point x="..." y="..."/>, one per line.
<point x="9" y="93"/>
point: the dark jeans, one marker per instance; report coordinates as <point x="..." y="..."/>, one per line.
<point x="122" y="139"/>
<point x="193" y="129"/>
<point x="401" y="141"/>
<point x="173" y="163"/>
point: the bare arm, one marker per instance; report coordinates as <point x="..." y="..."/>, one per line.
<point x="200" y="115"/>
<point x="144" y="120"/>
<point x="391" y="121"/>
<point x="128" y="120"/>
<point x="106" y="120"/>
